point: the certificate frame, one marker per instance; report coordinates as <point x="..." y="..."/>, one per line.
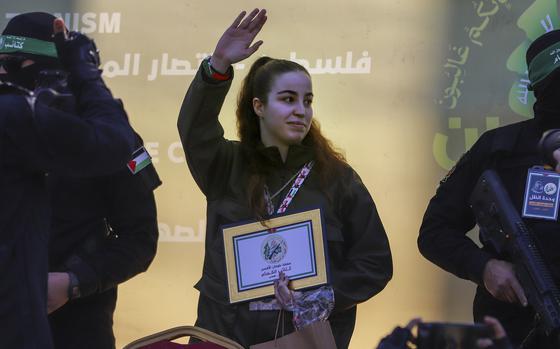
<point x="300" y="233"/>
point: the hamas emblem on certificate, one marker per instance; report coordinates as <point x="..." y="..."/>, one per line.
<point x="273" y="249"/>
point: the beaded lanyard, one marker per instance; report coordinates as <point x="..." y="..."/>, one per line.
<point x="298" y="182"/>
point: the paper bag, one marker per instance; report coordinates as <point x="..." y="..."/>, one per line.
<point x="318" y="335"/>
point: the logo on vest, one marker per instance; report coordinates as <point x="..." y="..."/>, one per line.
<point x="538" y="187"/>
<point x="550" y="189"/>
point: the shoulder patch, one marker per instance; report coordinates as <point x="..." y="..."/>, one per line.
<point x="140" y="159"/>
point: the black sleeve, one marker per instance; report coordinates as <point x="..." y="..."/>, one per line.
<point x="131" y="246"/>
<point x="209" y="155"/>
<point x="448" y="218"/>
<point x="95" y="140"/>
<point x="368" y="264"/>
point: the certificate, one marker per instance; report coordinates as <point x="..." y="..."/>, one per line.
<point x="256" y="254"/>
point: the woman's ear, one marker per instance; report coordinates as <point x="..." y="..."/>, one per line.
<point x="258" y="107"/>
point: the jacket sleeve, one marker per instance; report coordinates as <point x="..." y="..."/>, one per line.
<point x="448" y="218"/>
<point x="96" y="140"/>
<point x="131" y="246"/>
<point x="208" y="153"/>
<point x="368" y="263"/>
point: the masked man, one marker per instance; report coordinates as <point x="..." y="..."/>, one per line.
<point x="512" y="152"/>
<point x="41" y="132"/>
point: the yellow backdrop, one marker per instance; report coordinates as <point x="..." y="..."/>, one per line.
<point x="381" y="94"/>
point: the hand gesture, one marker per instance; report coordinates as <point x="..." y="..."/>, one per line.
<point x="500" y="280"/>
<point x="235" y="43"/>
<point x="59" y="28"/>
<point x="76" y="52"/>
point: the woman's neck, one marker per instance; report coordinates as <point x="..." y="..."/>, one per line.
<point x="283" y="149"/>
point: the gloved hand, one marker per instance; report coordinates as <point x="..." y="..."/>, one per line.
<point x="77" y="53"/>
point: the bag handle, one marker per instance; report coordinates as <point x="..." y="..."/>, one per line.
<point x="280" y="319"/>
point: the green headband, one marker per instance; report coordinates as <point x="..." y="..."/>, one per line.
<point x="11" y="44"/>
<point x="543" y="64"/>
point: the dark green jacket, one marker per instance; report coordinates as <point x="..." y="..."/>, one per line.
<point x="359" y="256"/>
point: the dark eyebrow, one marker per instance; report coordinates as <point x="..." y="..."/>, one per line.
<point x="287" y="91"/>
<point x="294" y="93"/>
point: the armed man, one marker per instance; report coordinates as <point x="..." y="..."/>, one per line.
<point x="512" y="151"/>
<point x="43" y="132"/>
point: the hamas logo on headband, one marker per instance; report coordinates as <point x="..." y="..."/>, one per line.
<point x="8" y="42"/>
<point x="274" y="249"/>
<point x="556" y="54"/>
<point x="12" y="43"/>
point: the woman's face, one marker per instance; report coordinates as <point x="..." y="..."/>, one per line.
<point x="286" y="117"/>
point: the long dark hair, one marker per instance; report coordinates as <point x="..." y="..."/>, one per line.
<point x="329" y="162"/>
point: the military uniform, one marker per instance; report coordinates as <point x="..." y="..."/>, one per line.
<point x="33" y="143"/>
<point x="37" y="138"/>
<point x="511" y="151"/>
<point x="104" y="230"/>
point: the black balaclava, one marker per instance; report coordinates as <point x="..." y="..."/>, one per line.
<point x="543" y="61"/>
<point x="29" y="35"/>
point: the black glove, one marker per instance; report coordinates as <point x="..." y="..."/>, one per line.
<point x="78" y="55"/>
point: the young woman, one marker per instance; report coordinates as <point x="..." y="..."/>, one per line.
<point x="249" y="179"/>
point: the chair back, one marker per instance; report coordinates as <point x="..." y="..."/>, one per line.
<point x="163" y="340"/>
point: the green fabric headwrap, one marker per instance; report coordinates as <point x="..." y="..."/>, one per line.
<point x="12" y="43"/>
<point x="543" y="64"/>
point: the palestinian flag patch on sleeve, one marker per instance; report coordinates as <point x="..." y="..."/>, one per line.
<point x="140" y="159"/>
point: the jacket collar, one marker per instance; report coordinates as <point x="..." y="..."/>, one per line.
<point x="298" y="155"/>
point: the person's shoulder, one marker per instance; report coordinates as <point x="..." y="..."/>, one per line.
<point x="502" y="138"/>
<point x="139" y="172"/>
<point x="507" y="130"/>
<point x="513" y="127"/>
<point x="349" y="175"/>
<point x="490" y="144"/>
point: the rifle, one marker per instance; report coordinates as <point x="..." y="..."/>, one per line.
<point x="502" y="225"/>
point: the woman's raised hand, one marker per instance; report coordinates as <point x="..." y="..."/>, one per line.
<point x="235" y="43"/>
